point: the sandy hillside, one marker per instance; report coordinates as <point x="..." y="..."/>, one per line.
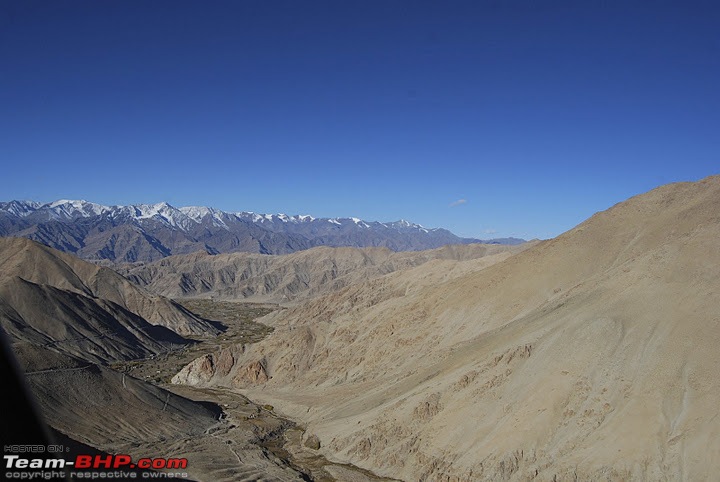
<point x="287" y="278"/>
<point x="592" y="356"/>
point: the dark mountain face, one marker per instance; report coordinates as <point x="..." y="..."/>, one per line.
<point x="55" y="300"/>
<point x="148" y="232"/>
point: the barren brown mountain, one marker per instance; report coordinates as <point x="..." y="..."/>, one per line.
<point x="292" y="277"/>
<point x="592" y="356"/>
<point x="49" y="273"/>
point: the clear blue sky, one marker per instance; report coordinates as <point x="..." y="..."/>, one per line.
<point x="536" y="114"/>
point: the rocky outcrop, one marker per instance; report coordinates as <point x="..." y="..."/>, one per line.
<point x="312" y="442"/>
<point x="252" y="373"/>
<point x="215" y="368"/>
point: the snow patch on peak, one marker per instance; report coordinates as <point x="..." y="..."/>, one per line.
<point x="150" y="210"/>
<point x="407" y="224"/>
<point x="198" y="213"/>
<point x="248" y="215"/>
<point x="402" y="224"/>
<point x="20" y="208"/>
<point x="164" y="213"/>
<point x="360" y="222"/>
<point x="70" y="208"/>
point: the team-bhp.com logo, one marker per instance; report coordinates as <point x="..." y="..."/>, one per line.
<point x="116" y="466"/>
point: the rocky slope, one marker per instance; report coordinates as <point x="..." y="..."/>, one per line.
<point x="292" y="277"/>
<point x="30" y="266"/>
<point x="590" y="356"/>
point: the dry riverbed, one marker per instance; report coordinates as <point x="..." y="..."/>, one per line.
<point x="246" y="427"/>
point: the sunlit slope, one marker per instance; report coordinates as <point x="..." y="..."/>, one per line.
<point x="291" y="277"/>
<point x="593" y="355"/>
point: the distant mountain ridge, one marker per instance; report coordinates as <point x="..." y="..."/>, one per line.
<point x="148" y="232"/>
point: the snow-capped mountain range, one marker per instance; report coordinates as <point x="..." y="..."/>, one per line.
<point x="146" y="232"/>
